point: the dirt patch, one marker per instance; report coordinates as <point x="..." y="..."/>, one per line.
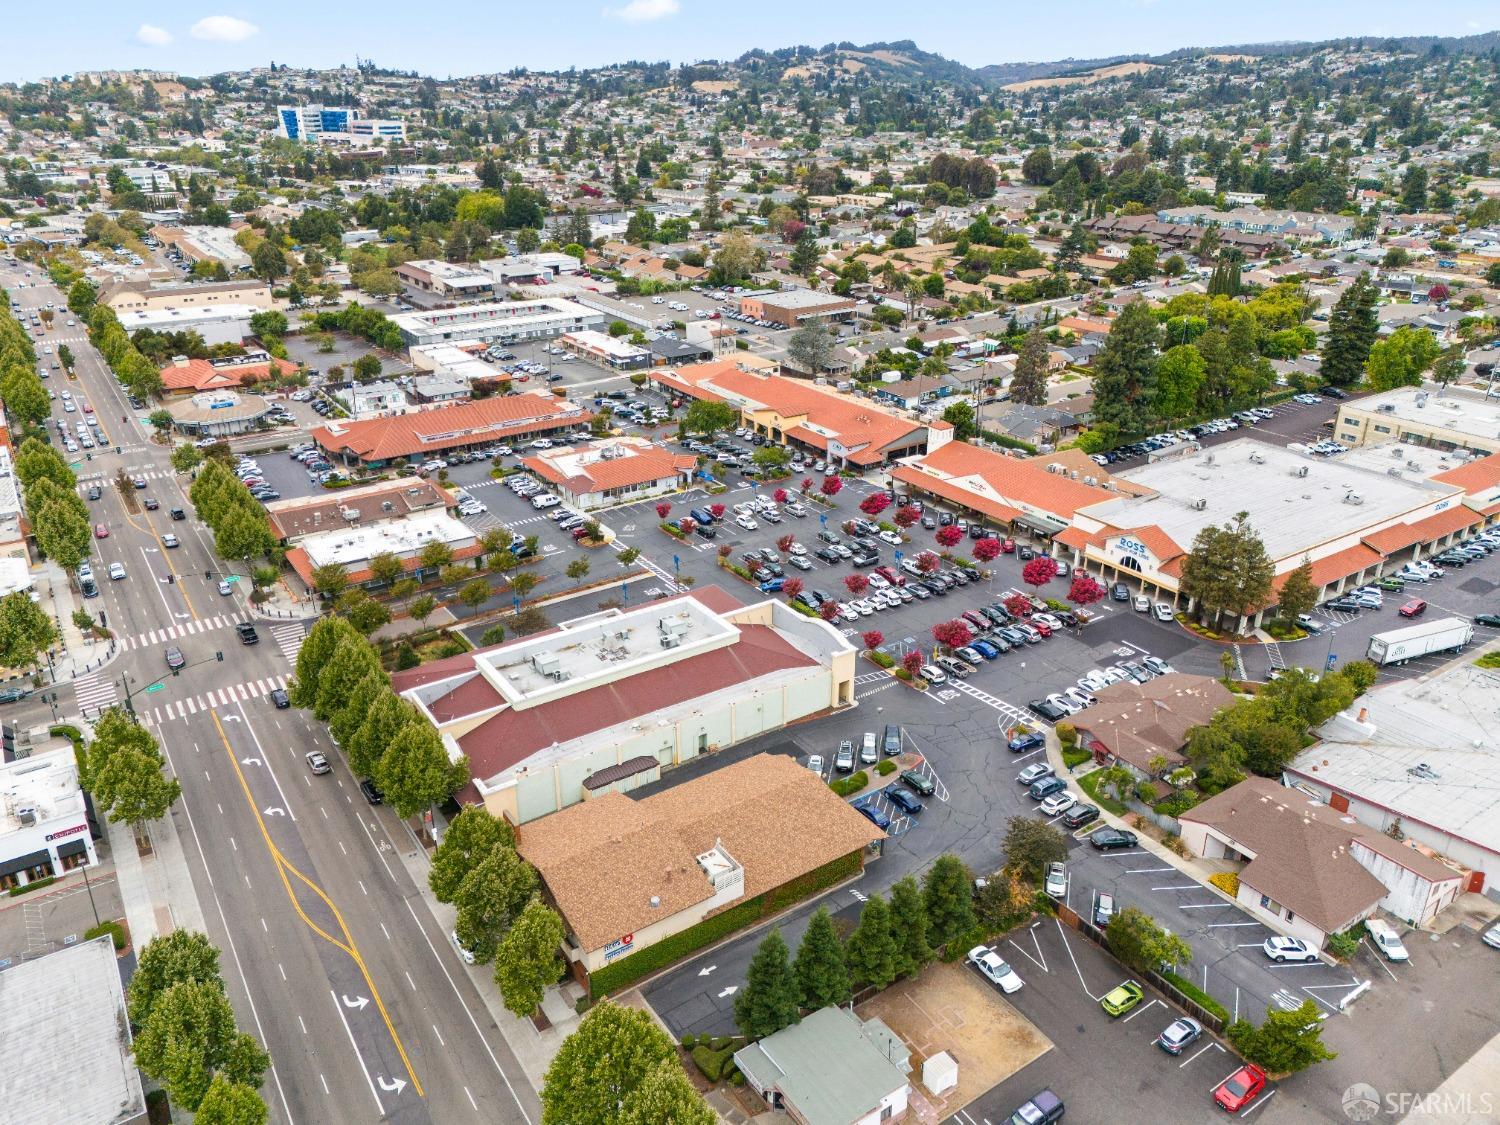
<point x="715" y="86"/>
<point x="1103" y="74"/>
<point x="1231" y="58"/>
<point x="949" y="1008"/>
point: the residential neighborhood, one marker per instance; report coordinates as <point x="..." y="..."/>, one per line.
<point x="617" y="565"/>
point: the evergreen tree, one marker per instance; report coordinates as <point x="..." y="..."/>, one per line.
<point x="1298" y="594"/>
<point x="822" y="975"/>
<point x="768" y="1002"/>
<point x="1227" y="571"/>
<point x="1029" y="384"/>
<point x="909" y="927"/>
<point x="805" y="254"/>
<point x="1125" y="371"/>
<point x="1352" y="330"/>
<point x="949" y="899"/>
<point x="871" y="950"/>
<point x="317" y="649"/>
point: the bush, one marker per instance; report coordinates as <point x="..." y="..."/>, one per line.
<point x="628" y="970"/>
<point x="885" y="768"/>
<point x="721" y="1042"/>
<point x="1196" y="995"/>
<point x="406" y="657"/>
<point x="804" y="611"/>
<point x="1345" y="945"/>
<point x="711" y="1063"/>
<point x="1075" y="756"/>
<point x="903" y="674"/>
<point x="851" y="784"/>
<point x="1226" y="881"/>
<point x="689" y="1042"/>
<point x="672" y="529"/>
<point x="115" y="931"/>
<point x="1176" y="804"/>
<point x="738" y="1079"/>
<point x="34" y="885"/>
<point x="883" y="659"/>
<point x="1067" y="734"/>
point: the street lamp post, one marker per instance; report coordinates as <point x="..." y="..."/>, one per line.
<point x="90" y="890"/>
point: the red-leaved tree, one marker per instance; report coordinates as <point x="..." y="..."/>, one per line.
<point x="724" y="550"/>
<point x="717" y="511"/>
<point x="950" y="535"/>
<point x="688" y="525"/>
<point x="856" y="584"/>
<point x="1085" y="590"/>
<point x="1039" y="571"/>
<point x="779" y="496"/>
<point x="1017" y="605"/>
<point x="872" y="638"/>
<point x="829" y="610"/>
<point x="905" y="516"/>
<point x="987" y="549"/>
<point x="913" y="661"/>
<point x="875" y="503"/>
<point x="662" y="509"/>
<point x="954" y="634"/>
<point x="806" y="484"/>
<point x="784" y="544"/>
<point x="792" y="587"/>
<point x="928" y="562"/>
<point x="832" y="486"/>
<point x="1438" y="293"/>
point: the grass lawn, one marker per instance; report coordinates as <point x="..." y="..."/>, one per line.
<point x="1089" y="783"/>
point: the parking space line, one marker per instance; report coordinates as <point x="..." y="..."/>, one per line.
<point x="1223" y="1080"/>
<point x="1039" y="960"/>
<point x="1062" y="934"/>
<point x="1228" y="925"/>
<point x="1258" y="1104"/>
<point x="1379" y="960"/>
<point x="1144" y="870"/>
<point x="1138" y="1011"/>
<point x="1180" y="887"/>
<point x="1210" y="1046"/>
<point x="1203" y="905"/>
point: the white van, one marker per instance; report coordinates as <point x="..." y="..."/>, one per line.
<point x="545" y="500"/>
<point x="1385" y="938"/>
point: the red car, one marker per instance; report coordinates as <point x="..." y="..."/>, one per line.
<point x="890" y="576"/>
<point x="1240" y="1088"/>
<point x="1413" y="608"/>
<point x="1041" y="627"/>
<point x="1008" y="546"/>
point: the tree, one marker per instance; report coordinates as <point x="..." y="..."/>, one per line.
<point x="1140" y="944"/>
<point x="62" y="532"/>
<point x="1029" y="383"/>
<point x="1037" y="168"/>
<point x="230" y="1103"/>
<point x="950" y="907"/>
<point x="986" y="549"/>
<point x="735" y="259"/>
<point x="805" y="254"/>
<point x="189" y="1036"/>
<point x="25" y="631"/>
<point x="385" y="567"/>
<point x="527" y="961"/>
<point x="960" y="415"/>
<point x="768" y="1002"/>
<point x="1125" y="370"/>
<point x="603" y="1066"/>
<point x="269" y="324"/>
<point x="928" y="562"/>
<point x="367" y="367"/>
<point x="912" y="661"/>
<point x="471" y="836"/>
<point x="832" y="486"/>
<point x="856" y="583"/>
<point x="872" y="638"/>
<point x="1450" y="366"/>
<point x="822" y="976"/>
<point x="243" y="534"/>
<point x="1298" y="594"/>
<point x="490" y="897"/>
<point x="1288" y="1041"/>
<point x="871" y="950"/>
<point x="909" y="927"/>
<point x="666" y="1094"/>
<point x="1400" y="358"/>
<point x="185" y="458"/>
<point x="360" y="610"/>
<point x="352" y="659"/>
<point x="178" y="957"/>
<point x="771" y="459"/>
<point x="810" y="347"/>
<point x="1085" y="590"/>
<point x="1352" y="331"/>
<point x="704" y="417"/>
<point x="122" y="769"/>
<point x="81" y="298"/>
<point x="415" y="771"/>
<point x="1179" y="380"/>
<point x="1227" y="571"/>
<point x="953" y="634"/>
<point x="268" y="261"/>
<point x="475" y="592"/>
<point x="875" y="503"/>
<point x="905" y="516"/>
<point x="792" y="587"/>
<point x="1039" y="571"/>
<point x="389" y="715"/>
<point x="345" y="723"/>
<point x="1031" y="844"/>
<point x="949" y="535"/>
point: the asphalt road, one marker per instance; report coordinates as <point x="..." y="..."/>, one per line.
<point x="331" y="957"/>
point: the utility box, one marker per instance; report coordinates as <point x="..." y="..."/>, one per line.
<point x="940" y="1073"/>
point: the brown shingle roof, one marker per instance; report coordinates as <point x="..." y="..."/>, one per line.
<point x="602" y="861"/>
<point x="1137" y="722"/>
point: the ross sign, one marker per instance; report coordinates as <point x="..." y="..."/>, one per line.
<point x="61" y="832"/>
<point x="619" y="947"/>
<point x="1132" y="547"/>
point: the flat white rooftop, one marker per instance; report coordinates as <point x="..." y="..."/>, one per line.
<point x="1464" y="411"/>
<point x="350" y="545"/>
<point x="491" y="312"/>
<point x="47" y="784"/>
<point x="1407" y="459"/>
<point x="65" y="1041"/>
<point x="172" y="319"/>
<point x="1291" y="512"/>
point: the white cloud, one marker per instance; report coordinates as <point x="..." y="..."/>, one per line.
<point x="153" y="36"/>
<point x="644" y="11"/>
<point x="223" y="29"/>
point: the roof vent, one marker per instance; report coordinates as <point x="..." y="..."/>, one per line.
<point x="1300" y="471"/>
<point x="1257" y="459"/>
<point x="1353" y="498"/>
<point x="656" y="902"/>
<point x="1199" y="504"/>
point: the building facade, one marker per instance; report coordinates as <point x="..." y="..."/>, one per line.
<point x="44" y="822"/>
<point x="502" y="322"/>
<point x="335" y="123"/>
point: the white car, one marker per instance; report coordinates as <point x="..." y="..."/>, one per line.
<point x="746" y="522"/>
<point x="933" y="674"/>
<point x="1162" y="611"/>
<point x="1281" y="949"/>
<point x="1079" y="697"/>
<point x="117" y="571"/>
<point x="1093" y="681"/>
<point x="1057" y="804"/>
<point x="993" y="966"/>
<point x="890" y="537"/>
<point x="458" y="945"/>
<point x="1142" y="603"/>
<point x="1056" y="884"/>
<point x="1064" y="703"/>
<point x="815" y="763"/>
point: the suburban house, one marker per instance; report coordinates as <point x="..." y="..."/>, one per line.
<point x="625" y="874"/>
<point x="831" y="1069"/>
<point x="614" y="471"/>
<point x="1310" y="870"/>
<point x="1136" y="725"/>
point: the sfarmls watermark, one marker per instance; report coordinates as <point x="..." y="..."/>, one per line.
<point x="1362" y="1102"/>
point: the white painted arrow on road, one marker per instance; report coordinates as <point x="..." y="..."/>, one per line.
<point x="705" y="972"/>
<point x="249" y="761"/>
<point x="392" y="1086"/>
<point x="275" y="811"/>
<point x="231" y="718"/>
<point x="357" y="1002"/>
<point x="730" y="991"/>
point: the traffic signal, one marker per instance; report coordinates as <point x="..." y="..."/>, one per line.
<point x="219" y="656"/>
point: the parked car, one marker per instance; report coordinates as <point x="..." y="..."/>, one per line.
<point x="1244" y="1085"/>
<point x="1056" y="883"/>
<point x="1043" y="1108"/>
<point x="1281" y="949"/>
<point x="904" y="801"/>
<point x="995" y="968"/>
<point x="874" y="816"/>
<point x="1414" y="608"/>
<point x="843" y="761"/>
<point x="1034" y="773"/>
<point x="372" y="792"/>
<point x="1124" y="996"/>
<point x="1112" y="839"/>
<point x="1079" y="815"/>
<point x="1179" y="1034"/>
<point x="1104" y="909"/>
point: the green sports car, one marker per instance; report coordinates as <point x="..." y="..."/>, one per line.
<point x="1487" y="619"/>
<point x="1124" y="996"/>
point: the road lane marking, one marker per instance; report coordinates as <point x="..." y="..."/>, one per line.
<point x="373" y="1092"/>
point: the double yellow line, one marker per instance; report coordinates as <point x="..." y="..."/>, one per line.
<point x="286" y="871"/>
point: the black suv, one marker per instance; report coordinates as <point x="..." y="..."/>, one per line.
<point x="247" y="633"/>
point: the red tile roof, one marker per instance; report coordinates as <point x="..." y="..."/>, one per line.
<point x="201" y="375"/>
<point x="1475" y="475"/>
<point x="1444" y="523"/>
<point x="639" y="466"/>
<point x="426" y="433"/>
<point x="1014" y="482"/>
<point x="300" y="563"/>
<point x="1341" y="564"/>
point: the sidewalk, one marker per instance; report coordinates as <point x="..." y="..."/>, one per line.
<point x="284" y="605"/>
<point x="73" y="655"/>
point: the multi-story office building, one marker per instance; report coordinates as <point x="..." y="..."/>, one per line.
<point x="335" y="123"/>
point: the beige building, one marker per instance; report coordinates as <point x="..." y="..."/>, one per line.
<point x="612" y="700"/>
<point x="137" y="296"/>
<point x="1445" y="419"/>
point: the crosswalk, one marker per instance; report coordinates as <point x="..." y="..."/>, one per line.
<point x="210" y="700"/>
<point x="105" y="479"/>
<point x="184" y="629"/>
<point x="1009" y="710"/>
<point x="96" y="692"/>
<point x="289" y="639"/>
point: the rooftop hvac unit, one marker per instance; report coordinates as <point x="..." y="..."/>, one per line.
<point x="1421" y="398"/>
<point x="1300" y="471"/>
<point x="1257" y="459"/>
<point x="1414" y="466"/>
<point x="1090" y="480"/>
<point x="1353" y="498"/>
<point x="350" y="514"/>
<point x="1398" y="451"/>
<point x="1387" y="408"/>
<point x="26" y="814"/>
<point x="1393" y="471"/>
<point x="1199" y="504"/>
<point x="1054" y="467"/>
<point x="546" y="663"/>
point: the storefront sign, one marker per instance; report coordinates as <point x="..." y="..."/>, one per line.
<point x="619" y="947"/>
<point x="63" y="832"/>
<point x="1132" y="547"/>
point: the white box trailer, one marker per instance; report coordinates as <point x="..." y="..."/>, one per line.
<point x="1400" y="645"/>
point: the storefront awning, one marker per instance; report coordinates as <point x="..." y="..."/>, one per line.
<point x="71" y="847"/>
<point x="1043" y="524"/>
<point x="22" y="862"/>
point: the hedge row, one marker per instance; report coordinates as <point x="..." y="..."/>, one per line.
<point x="115" y="931"/>
<point x="852" y="784"/>
<point x="630" y="969"/>
<point x="1196" y="994"/>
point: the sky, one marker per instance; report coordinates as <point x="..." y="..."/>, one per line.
<point x="462" y="37"/>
